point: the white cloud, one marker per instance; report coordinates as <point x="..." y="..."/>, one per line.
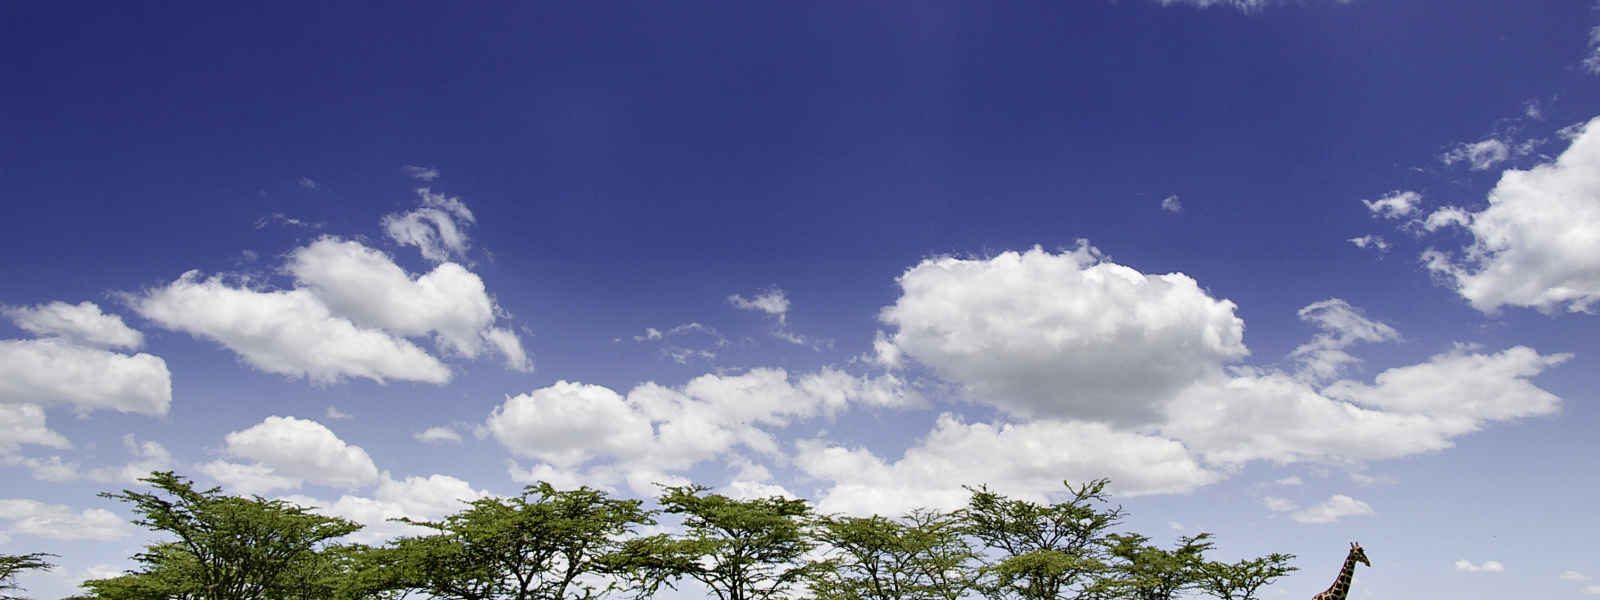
<point x="59" y="522"/>
<point x="1343" y="326"/>
<point x="775" y="302"/>
<point x="771" y="301"/>
<point x="247" y="479"/>
<point x="1410" y="410"/>
<point x="307" y="183"/>
<point x="569" y="423"/>
<point x="1333" y="509"/>
<point x="422" y="173"/>
<point x="334" y="414"/>
<point x="1062" y="335"/>
<point x="421" y="498"/>
<point x="1172" y="204"/>
<point x="1592" y="590"/>
<point x="1397" y="204"/>
<point x="148" y="457"/>
<point x="1026" y="460"/>
<point x="437" y="228"/>
<point x="1573" y="576"/>
<point x="506" y="343"/>
<point x="1536" y="244"/>
<point x="286" y="451"/>
<point x="56" y="371"/>
<point x="25" y="424"/>
<point x="1478" y="156"/>
<point x="1276" y="504"/>
<point x="1376" y="242"/>
<point x="1488" y="566"/>
<point x="82" y="323"/>
<point x="365" y="286"/>
<point x="594" y="434"/>
<point x="289" y="332"/>
<point x="437" y="435"/>
<point x="53" y="469"/>
<point x="1448" y="216"/>
<point x="1244" y="5"/>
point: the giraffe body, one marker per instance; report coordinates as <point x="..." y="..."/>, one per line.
<point x="1341" y="586"/>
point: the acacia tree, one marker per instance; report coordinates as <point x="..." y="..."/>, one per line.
<point x="1142" y="571"/>
<point x="12" y="565"/>
<point x="922" y="556"/>
<point x="542" y="545"/>
<point x="1033" y="551"/>
<point x="739" y="549"/>
<point x="1241" y="580"/>
<point x="227" y="547"/>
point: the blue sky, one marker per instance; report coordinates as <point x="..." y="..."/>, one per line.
<point x="1295" y="273"/>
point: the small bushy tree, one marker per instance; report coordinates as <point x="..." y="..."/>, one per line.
<point x="542" y="545"/>
<point x="1034" y="551"/>
<point x="12" y="565"/>
<point x="739" y="549"/>
<point x="227" y="547"/>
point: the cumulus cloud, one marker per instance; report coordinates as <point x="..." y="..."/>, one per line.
<point x="1488" y="566"/>
<point x="1408" y="410"/>
<point x="654" y="430"/>
<point x="364" y="285"/>
<point x="419" y="498"/>
<point x="25" y="424"/>
<point x="287" y="332"/>
<point x="1342" y="326"/>
<point x="59" y="522"/>
<point x="437" y="435"/>
<point x="1395" y="205"/>
<point x="1066" y="335"/>
<point x="1478" y="156"/>
<point x="82" y="323"/>
<point x="148" y="457"/>
<point x="1376" y="242"/>
<point x="1535" y="245"/>
<point x="286" y="452"/>
<point x="1172" y="204"/>
<point x="58" y="371"/>
<point x="1026" y="460"/>
<point x="437" y="228"/>
<point x="422" y="173"/>
<point x="1333" y="509"/>
<point x="775" y="302"/>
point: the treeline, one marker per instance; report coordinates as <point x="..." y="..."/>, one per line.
<point x="549" y="544"/>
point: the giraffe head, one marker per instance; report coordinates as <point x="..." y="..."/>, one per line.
<point x="1359" y="554"/>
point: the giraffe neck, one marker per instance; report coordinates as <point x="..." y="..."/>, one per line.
<point x="1341" y="586"/>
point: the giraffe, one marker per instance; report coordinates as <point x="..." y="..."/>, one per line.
<point x="1341" y="586"/>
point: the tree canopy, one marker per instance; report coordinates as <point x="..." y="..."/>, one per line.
<point x="551" y="544"/>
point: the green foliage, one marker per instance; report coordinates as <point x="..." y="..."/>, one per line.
<point x="544" y="544"/>
<point x="549" y="544"/>
<point x="922" y="556"/>
<point x="227" y="548"/>
<point x="1034" y="551"/>
<point x="1145" y="572"/>
<point x="12" y="565"/>
<point x="740" y="549"/>
<point x="1242" y="580"/>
